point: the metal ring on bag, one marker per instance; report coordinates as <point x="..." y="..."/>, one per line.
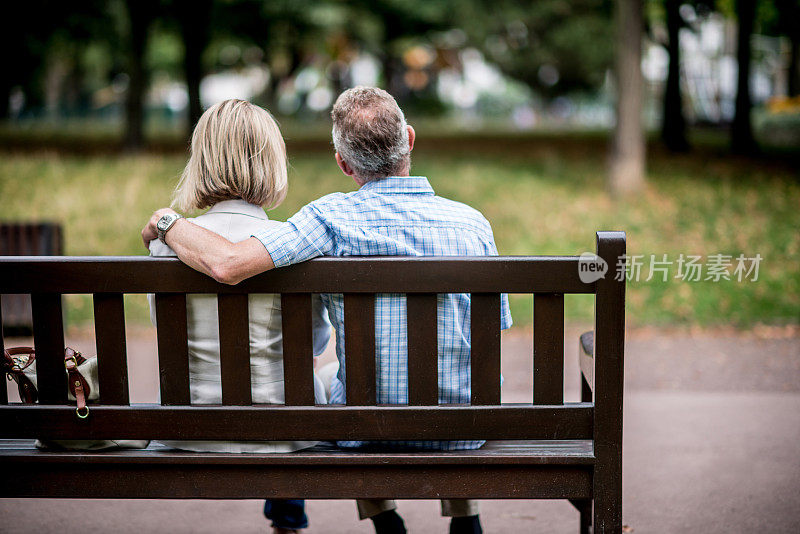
<point x="85" y="415"/>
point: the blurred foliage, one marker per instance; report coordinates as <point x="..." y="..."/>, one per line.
<point x="554" y="46"/>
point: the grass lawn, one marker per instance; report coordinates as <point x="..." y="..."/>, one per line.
<point x="541" y="198"/>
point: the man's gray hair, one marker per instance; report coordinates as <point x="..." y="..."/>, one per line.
<point x="370" y="133"/>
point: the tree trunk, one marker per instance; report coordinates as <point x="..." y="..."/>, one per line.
<point x="673" y="124"/>
<point x="140" y="15"/>
<point x="277" y="77"/>
<point x="628" y="149"/>
<point x="195" y="19"/>
<point x="742" y="141"/>
<point x="794" y="66"/>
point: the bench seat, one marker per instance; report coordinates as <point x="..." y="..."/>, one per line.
<point x="541" y="469"/>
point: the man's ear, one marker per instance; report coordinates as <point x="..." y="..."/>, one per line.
<point x="343" y="165"/>
<point x="411" y="136"/>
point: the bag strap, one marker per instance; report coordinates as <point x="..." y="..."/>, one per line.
<point x="78" y="385"/>
<point x="14" y="369"/>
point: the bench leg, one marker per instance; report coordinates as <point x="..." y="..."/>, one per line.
<point x="607" y="504"/>
<point x="584" y="507"/>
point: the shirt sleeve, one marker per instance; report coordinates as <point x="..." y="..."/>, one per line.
<point x="304" y="236"/>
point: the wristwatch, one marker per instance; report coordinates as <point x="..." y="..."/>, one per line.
<point x="165" y="223"/>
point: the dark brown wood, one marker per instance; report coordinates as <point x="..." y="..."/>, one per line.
<point x="298" y="349"/>
<point x="609" y="343"/>
<point x="4" y="385"/>
<point x="359" y="348"/>
<point x="485" y="352"/>
<point x="570" y="451"/>
<point x="312" y="481"/>
<point x="112" y="361"/>
<point x="173" y="348"/>
<point x="423" y="350"/>
<point x="234" y="349"/>
<point x="127" y="274"/>
<point x="548" y="349"/>
<point x="48" y="340"/>
<point x="568" y="421"/>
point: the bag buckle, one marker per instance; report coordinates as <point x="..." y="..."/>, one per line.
<point x="73" y="359"/>
<point x="21" y="362"/>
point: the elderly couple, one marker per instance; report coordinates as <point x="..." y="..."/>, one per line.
<point x="238" y="167"/>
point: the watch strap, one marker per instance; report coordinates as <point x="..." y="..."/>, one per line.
<point x="162" y="234"/>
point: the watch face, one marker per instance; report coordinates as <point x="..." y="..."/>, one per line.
<point x="163" y="222"/>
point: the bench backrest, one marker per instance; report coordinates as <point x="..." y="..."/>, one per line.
<point x="359" y="279"/>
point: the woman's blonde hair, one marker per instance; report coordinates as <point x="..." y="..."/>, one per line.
<point x="237" y="152"/>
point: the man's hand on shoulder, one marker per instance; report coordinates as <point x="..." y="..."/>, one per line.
<point x="150" y="231"/>
<point x="210" y="253"/>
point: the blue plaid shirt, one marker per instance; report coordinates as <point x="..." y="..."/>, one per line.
<point x="395" y="216"/>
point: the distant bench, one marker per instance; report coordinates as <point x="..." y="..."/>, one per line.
<point x="26" y="239"/>
<point x="545" y="450"/>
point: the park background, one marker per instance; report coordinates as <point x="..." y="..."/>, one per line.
<point x="678" y="122"/>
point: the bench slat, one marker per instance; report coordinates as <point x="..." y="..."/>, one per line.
<point x="391" y="422"/>
<point x="173" y="348"/>
<point x="485" y="353"/>
<point x="517" y="274"/>
<point x="48" y="339"/>
<point x="315" y="481"/>
<point x="548" y="349"/>
<point x="517" y="452"/>
<point x="298" y="349"/>
<point x="4" y="386"/>
<point x="423" y="350"/>
<point x="234" y="349"/>
<point x="359" y="348"/>
<point x="112" y="367"/>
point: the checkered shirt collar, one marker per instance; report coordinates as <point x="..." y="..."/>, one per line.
<point x="399" y="185"/>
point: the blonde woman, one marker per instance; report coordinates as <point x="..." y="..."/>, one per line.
<point x="237" y="168"/>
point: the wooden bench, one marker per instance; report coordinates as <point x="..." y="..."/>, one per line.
<point x="545" y="450"/>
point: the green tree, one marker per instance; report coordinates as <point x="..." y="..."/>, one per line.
<point x="141" y="14"/>
<point x="553" y="46"/>
<point x="786" y="22"/>
<point x="673" y="123"/>
<point x="41" y="35"/>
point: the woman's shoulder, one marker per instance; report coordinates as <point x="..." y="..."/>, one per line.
<point x="232" y="225"/>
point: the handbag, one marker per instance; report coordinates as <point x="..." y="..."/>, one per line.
<point x="82" y="386"/>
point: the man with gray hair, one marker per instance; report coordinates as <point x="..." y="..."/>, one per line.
<point x="392" y="213"/>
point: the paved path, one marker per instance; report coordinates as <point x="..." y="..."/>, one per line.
<point x="712" y="436"/>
